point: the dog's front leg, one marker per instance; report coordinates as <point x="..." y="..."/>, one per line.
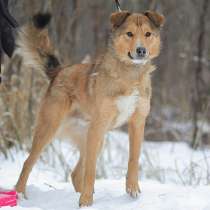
<point x="136" y="135"/>
<point x="95" y="139"/>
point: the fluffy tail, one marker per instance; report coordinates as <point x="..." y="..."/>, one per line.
<point x="35" y="46"/>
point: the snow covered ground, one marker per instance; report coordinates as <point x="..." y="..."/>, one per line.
<point x="110" y="195"/>
<point x="173" y="177"/>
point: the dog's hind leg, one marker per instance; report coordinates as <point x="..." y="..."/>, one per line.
<point x="53" y="110"/>
<point x="75" y="130"/>
<point x="77" y="176"/>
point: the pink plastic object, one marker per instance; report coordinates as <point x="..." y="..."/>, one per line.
<point x="8" y="198"/>
<point x="8" y="192"/>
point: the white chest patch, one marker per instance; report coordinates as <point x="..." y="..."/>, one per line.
<point x="126" y="106"/>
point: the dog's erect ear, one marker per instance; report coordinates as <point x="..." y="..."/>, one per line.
<point x="157" y="19"/>
<point x="118" y="18"/>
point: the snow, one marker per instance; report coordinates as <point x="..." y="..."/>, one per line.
<point x="173" y="177"/>
<point x="110" y="194"/>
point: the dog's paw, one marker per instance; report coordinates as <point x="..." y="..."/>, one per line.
<point x="133" y="189"/>
<point x="85" y="200"/>
<point x="21" y="192"/>
<point x="22" y="196"/>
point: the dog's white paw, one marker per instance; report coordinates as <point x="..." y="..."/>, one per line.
<point x="22" y="196"/>
<point x="133" y="190"/>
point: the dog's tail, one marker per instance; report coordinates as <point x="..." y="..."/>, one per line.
<point x="35" y="46"/>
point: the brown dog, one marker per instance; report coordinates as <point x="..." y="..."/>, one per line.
<point x="105" y="95"/>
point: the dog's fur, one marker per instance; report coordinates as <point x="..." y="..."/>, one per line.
<point x="104" y="95"/>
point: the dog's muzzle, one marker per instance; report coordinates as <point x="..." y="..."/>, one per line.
<point x="140" y="56"/>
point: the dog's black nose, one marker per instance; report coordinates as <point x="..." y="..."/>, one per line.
<point x="141" y="51"/>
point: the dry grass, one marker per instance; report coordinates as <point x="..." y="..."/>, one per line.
<point x="20" y="94"/>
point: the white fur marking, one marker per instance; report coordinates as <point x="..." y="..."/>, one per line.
<point x="126" y="106"/>
<point x="94" y="74"/>
<point x="137" y="61"/>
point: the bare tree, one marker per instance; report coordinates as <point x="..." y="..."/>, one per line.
<point x="199" y="96"/>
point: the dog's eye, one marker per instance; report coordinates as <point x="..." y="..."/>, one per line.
<point x="129" y="34"/>
<point x="148" y="34"/>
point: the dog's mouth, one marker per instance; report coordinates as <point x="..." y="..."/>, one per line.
<point x="139" y="60"/>
<point x="130" y="56"/>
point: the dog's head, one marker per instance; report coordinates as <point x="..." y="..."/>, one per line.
<point x="136" y="37"/>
